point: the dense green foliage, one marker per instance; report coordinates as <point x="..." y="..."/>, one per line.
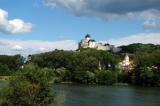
<point x="106" y="77"/>
<point x="29" y="87"/>
<point x="147" y="68"/>
<point x="10" y="64"/>
<point x="138" y="47"/>
<point x="146" y="58"/>
<point x="91" y="66"/>
<point x="80" y="67"/>
<point x="94" y="66"/>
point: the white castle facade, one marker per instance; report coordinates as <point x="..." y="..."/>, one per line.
<point x="87" y="42"/>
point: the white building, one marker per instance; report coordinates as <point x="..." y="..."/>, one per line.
<point x="126" y="64"/>
<point x="126" y="61"/>
<point x="87" y="42"/>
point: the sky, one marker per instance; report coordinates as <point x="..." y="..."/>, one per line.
<point x="34" y="26"/>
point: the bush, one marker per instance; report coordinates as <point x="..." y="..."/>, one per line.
<point x="62" y="74"/>
<point x="4" y="70"/>
<point x="106" y="77"/>
<point x="124" y="77"/>
<point x="30" y="86"/>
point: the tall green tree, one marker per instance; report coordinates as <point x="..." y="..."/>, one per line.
<point x="29" y="87"/>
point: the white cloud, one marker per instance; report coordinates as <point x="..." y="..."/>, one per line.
<point x="145" y="10"/>
<point x="145" y="38"/>
<point x="14" y="25"/>
<point x="42" y="49"/>
<point x="26" y="47"/>
<point x="17" y="48"/>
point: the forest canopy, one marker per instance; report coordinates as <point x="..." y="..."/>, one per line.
<point x="91" y="66"/>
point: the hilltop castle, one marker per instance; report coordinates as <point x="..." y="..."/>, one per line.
<point x="87" y="42"/>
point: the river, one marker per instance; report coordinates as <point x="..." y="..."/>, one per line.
<point x="81" y="95"/>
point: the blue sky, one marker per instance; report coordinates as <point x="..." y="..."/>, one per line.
<point x="69" y="20"/>
<point x="56" y="23"/>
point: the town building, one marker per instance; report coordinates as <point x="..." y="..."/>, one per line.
<point x="126" y="64"/>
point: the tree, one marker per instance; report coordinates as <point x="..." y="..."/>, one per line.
<point x="29" y="87"/>
<point x="61" y="74"/>
<point x="4" y="70"/>
<point x="12" y="63"/>
<point x="124" y="77"/>
<point x="106" y="77"/>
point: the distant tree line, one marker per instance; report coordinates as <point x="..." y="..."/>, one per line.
<point x="81" y="67"/>
<point x="91" y="66"/>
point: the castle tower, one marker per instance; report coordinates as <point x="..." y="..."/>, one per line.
<point x="85" y="42"/>
<point x="88" y="37"/>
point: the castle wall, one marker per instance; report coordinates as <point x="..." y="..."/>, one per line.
<point x="90" y="43"/>
<point x="100" y="46"/>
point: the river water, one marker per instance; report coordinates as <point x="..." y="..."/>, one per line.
<point x="81" y="95"/>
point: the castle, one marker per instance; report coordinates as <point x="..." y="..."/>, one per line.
<point x="87" y="42"/>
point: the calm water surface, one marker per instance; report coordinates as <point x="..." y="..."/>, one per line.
<point x="80" y="95"/>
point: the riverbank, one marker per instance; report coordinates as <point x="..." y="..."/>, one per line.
<point x="54" y="81"/>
